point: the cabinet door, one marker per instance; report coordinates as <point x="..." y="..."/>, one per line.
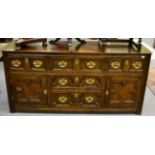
<point x="27" y="89"/>
<point x="123" y="92"/>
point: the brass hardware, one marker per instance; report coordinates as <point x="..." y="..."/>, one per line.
<point x="62" y="99"/>
<point x="76" y="79"/>
<point x="89" y="99"/>
<point x="62" y="64"/>
<point x="37" y="63"/>
<point x="137" y="65"/>
<point x="76" y="95"/>
<point x="91" y="64"/>
<point x="18" y="89"/>
<point x="107" y="92"/>
<point x="90" y="81"/>
<point x="115" y="65"/>
<point x="76" y="64"/>
<point x="16" y="63"/>
<point x="63" y="81"/>
<point x="126" y="65"/>
<point x="26" y="61"/>
<point x="45" y="92"/>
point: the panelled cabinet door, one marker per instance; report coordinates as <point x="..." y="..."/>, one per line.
<point x="123" y="92"/>
<point x="27" y="89"/>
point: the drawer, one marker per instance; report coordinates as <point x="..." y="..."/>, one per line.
<point x="90" y="100"/>
<point x="62" y="81"/>
<point x="27" y="63"/>
<point x="16" y="63"/>
<point x="92" y="65"/>
<point x="36" y="63"/>
<point x="83" y="82"/>
<point x="91" y="82"/>
<point x="62" y="64"/>
<point x="115" y="65"/>
<point x="75" y="99"/>
<point x="58" y="99"/>
<point x="136" y="65"/>
<point x="126" y="65"/>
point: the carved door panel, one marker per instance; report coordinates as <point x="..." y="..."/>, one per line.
<point x="27" y="89"/>
<point x="123" y="92"/>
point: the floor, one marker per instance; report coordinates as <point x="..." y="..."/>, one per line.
<point x="148" y="106"/>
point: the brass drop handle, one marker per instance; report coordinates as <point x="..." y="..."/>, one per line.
<point x="16" y="63"/>
<point x="37" y="63"/>
<point x="115" y="65"/>
<point x="90" y="81"/>
<point x="45" y="92"/>
<point x="137" y="65"/>
<point x="76" y="95"/>
<point x="107" y="92"/>
<point x="62" y="99"/>
<point x="63" y="81"/>
<point x="18" y="89"/>
<point x="76" y="80"/>
<point x="62" y="64"/>
<point x="91" y="64"/>
<point x="89" y="99"/>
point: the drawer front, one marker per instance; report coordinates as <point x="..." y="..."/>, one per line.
<point x="90" y="100"/>
<point x="37" y="63"/>
<point x="27" y="63"/>
<point x="62" y="64"/>
<point x="81" y="82"/>
<point x="61" y="81"/>
<point x="92" y="65"/>
<point x="137" y="65"/>
<point x="115" y="65"/>
<point x="61" y="99"/>
<point x="16" y="63"/>
<point x="121" y="64"/>
<point x="91" y="82"/>
<point x="76" y="99"/>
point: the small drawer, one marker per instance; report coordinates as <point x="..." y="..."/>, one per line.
<point x="62" y="64"/>
<point x="115" y="65"/>
<point x="136" y="65"/>
<point x="62" y="81"/>
<point x="90" y="82"/>
<point x="90" y="100"/>
<point x="16" y="63"/>
<point x="61" y="99"/>
<point x="27" y="63"/>
<point x="37" y="63"/>
<point x="91" y="65"/>
<point x="125" y="65"/>
<point x="75" y="99"/>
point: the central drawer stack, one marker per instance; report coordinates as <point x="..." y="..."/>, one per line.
<point x="76" y="82"/>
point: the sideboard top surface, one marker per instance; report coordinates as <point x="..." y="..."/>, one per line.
<point x="91" y="47"/>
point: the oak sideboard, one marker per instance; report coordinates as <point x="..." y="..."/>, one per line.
<point x="88" y="78"/>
